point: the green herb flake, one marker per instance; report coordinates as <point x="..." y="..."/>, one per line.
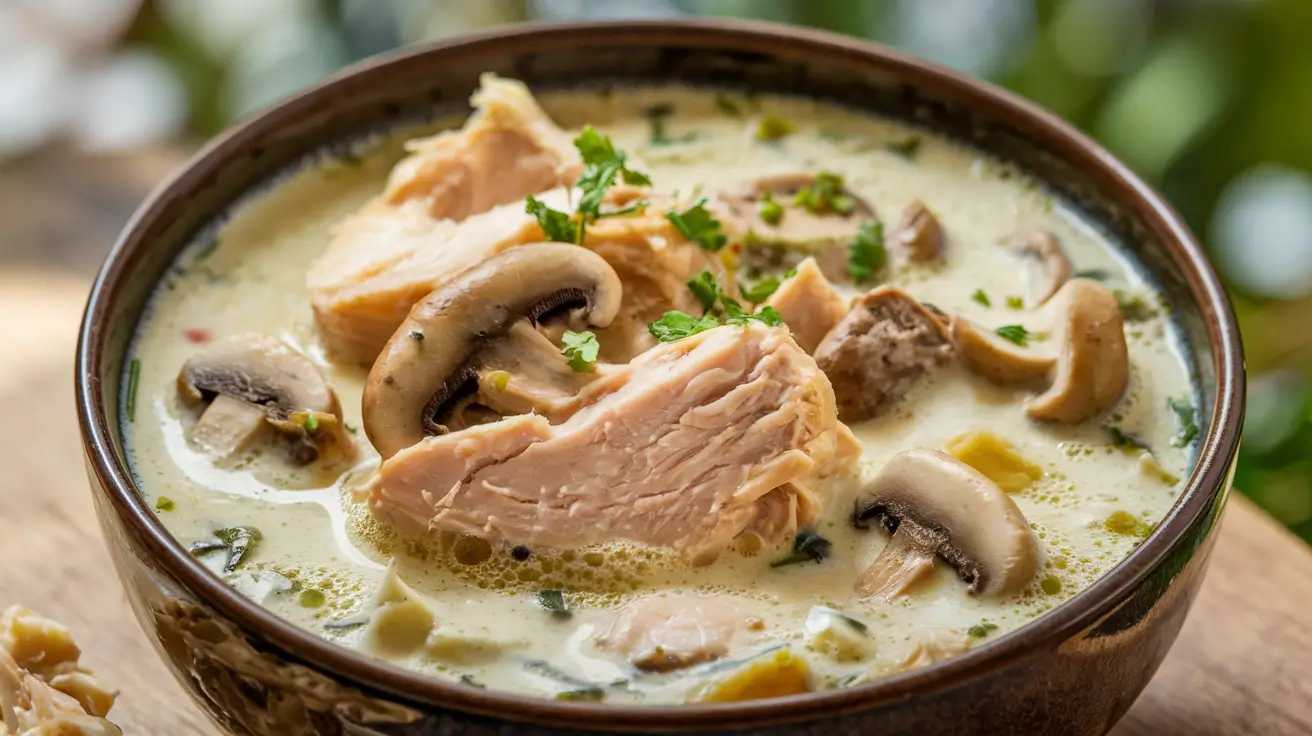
<point x="656" y="119"/>
<point x="808" y="546"/>
<point x="697" y="225"/>
<point x="761" y="290"/>
<point x="1125" y="523"/>
<point x="1134" y="307"/>
<point x="555" y="224"/>
<point x="1124" y="440"/>
<point x="134" y="378"/>
<point x="1015" y="302"/>
<point x="1050" y="585"/>
<point x="581" y="348"/>
<point x="981" y="297"/>
<point x="554" y="601"/>
<point x="982" y="629"/>
<point x="310" y="598"/>
<point x="773" y="128"/>
<point x="705" y="288"/>
<point x="311" y="424"/>
<point x="678" y="325"/>
<point x="770" y="211"/>
<point x="824" y="194"/>
<point x="1015" y="333"/>
<point x="867" y="255"/>
<point x="908" y="147"/>
<point x="164" y="503"/>
<point x="726" y="104"/>
<point x="767" y="316"/>
<point x="237" y="540"/>
<point x="1186" y="424"/>
<point x="1097" y="274"/>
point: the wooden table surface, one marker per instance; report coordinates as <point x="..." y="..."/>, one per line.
<point x="1243" y="664"/>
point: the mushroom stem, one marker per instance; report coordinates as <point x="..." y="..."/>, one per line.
<point x="905" y="560"/>
<point x="227" y="425"/>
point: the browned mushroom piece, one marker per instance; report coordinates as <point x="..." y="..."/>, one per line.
<point x="465" y="333"/>
<point x="246" y="382"/>
<point x="937" y="507"/>
<point x="1049" y="268"/>
<point x="1082" y="367"/>
<point x="919" y="238"/>
<point x="884" y="345"/>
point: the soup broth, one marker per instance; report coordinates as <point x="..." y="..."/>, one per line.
<point x="307" y="540"/>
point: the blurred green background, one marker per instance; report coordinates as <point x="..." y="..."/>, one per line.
<point x="1210" y="100"/>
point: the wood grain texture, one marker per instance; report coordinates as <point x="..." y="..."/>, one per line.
<point x="1242" y="665"/>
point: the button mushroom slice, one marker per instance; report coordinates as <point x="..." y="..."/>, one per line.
<point x="938" y="507"/>
<point x="1049" y="268"/>
<point x="247" y="381"/>
<point x="1092" y="365"/>
<point x="998" y="359"/>
<point x="884" y="345"/>
<point x="434" y="353"/>
<point x="813" y="229"/>
<point x="919" y="237"/>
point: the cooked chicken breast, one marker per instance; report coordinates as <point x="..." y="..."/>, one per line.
<point x="809" y="305"/>
<point x="668" y="632"/>
<point x="678" y="449"/>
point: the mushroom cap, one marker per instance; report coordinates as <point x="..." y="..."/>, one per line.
<point x="1049" y="268"/>
<point x="998" y="359"/>
<point x="919" y="237"/>
<point x="799" y="227"/>
<point x="1093" y="365"/>
<point x="979" y="530"/>
<point x="429" y="357"/>
<point x="259" y="370"/>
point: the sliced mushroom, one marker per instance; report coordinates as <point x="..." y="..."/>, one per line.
<point x="1049" y="268"/>
<point x="997" y="358"/>
<point x="1082" y="365"/>
<point x="249" y="380"/>
<point x="433" y="355"/>
<point x="880" y="350"/>
<point x="798" y="226"/>
<point x="938" y="507"/>
<point x="919" y="237"/>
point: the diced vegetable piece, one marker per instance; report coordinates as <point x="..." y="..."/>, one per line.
<point x="837" y="635"/>
<point x="995" y="458"/>
<point x="774" y="675"/>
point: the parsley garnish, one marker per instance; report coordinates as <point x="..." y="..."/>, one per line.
<point x="656" y="119"/>
<point x="704" y="287"/>
<point x="697" y="225"/>
<point x="1186" y="426"/>
<point x="1015" y="302"/>
<point x="237" y="540"/>
<point x="557" y="225"/>
<point x="824" y="194"/>
<point x="770" y="211"/>
<point x="1016" y="333"/>
<point x="808" y="546"/>
<point x="134" y="377"/>
<point x="908" y="147"/>
<point x="773" y="127"/>
<point x="581" y="348"/>
<point x="982" y="629"/>
<point x="554" y="601"/>
<point x="736" y="315"/>
<point x="866" y="255"/>
<point x="1124" y="440"/>
<point x="981" y="297"/>
<point x="164" y="503"/>
<point x="678" y="325"/>
<point x="759" y="291"/>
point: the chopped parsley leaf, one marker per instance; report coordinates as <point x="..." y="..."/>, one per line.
<point x="705" y="288"/>
<point x="697" y="225"/>
<point x="982" y="629"/>
<point x="866" y="255"/>
<point x="555" y="224"/>
<point x="164" y="503"/>
<point x="770" y="211"/>
<point x="581" y="348"/>
<point x="1015" y="302"/>
<point x="678" y="325"/>
<point x="773" y="127"/>
<point x="981" y="297"/>
<point x="759" y="291"/>
<point x="554" y="601"/>
<point x="1186" y="425"/>
<point x="1124" y="440"/>
<point x="1016" y="333"/>
<point x="825" y="194"/>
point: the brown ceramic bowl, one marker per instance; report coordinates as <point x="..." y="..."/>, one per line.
<point x="1074" y="670"/>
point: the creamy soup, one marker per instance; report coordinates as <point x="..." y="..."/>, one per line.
<point x="895" y="399"/>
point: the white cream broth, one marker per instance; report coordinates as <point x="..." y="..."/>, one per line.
<point x="487" y="623"/>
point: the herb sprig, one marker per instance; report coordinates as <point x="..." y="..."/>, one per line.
<point x="581" y="348"/>
<point x="867" y="255"/>
<point x="602" y="164"/>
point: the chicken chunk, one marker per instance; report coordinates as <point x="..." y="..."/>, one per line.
<point x="678" y="449"/>
<point x="669" y="632"/>
<point x="508" y="148"/>
<point x="879" y="350"/>
<point x="809" y="305"/>
<point x="43" y="688"/>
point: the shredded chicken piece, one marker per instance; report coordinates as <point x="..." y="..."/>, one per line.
<point x="44" y="690"/>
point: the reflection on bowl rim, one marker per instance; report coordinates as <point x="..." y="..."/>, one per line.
<point x="1215" y="453"/>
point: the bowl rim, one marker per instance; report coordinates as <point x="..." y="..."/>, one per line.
<point x="1208" y="480"/>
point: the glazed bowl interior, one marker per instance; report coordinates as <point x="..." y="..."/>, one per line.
<point x="436" y="82"/>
